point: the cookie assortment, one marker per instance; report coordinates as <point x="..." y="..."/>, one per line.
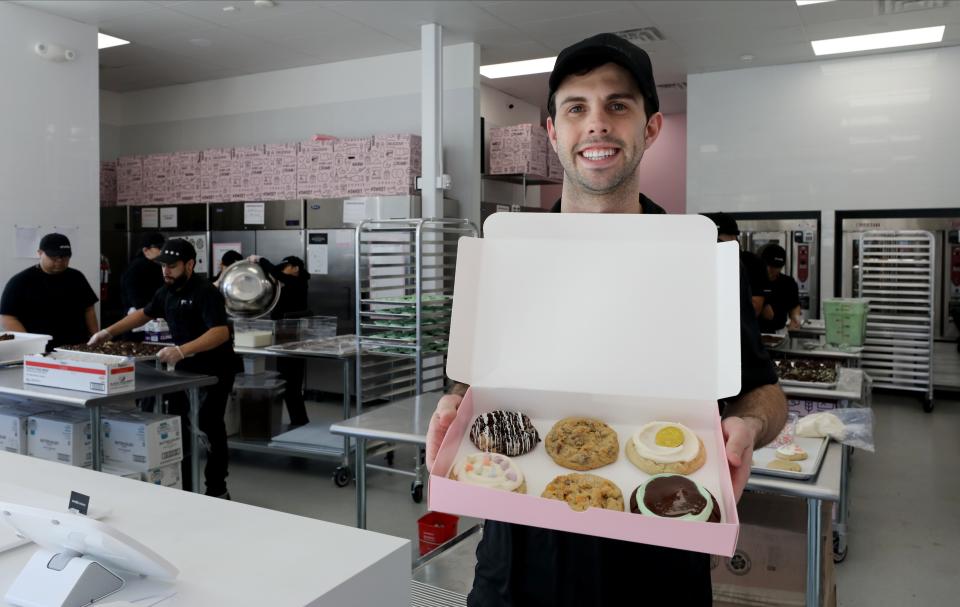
<point x="667" y="451"/>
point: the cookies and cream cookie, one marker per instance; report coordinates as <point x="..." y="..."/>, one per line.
<point x="582" y="491"/>
<point x="491" y="470"/>
<point x="666" y="447"/>
<point x="581" y="443"/>
<point x="675" y="496"/>
<point x="508" y="432"/>
<point x="792" y="452"/>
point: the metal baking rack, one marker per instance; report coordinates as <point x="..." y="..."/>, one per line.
<point x="404" y="292"/>
<point x="897" y="277"/>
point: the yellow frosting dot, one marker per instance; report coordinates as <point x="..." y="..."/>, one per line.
<point x="670" y="436"/>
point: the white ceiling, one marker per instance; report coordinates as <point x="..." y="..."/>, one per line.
<point x="180" y="42"/>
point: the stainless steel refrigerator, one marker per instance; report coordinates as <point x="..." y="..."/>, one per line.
<point x="187" y="221"/>
<point x="273" y="229"/>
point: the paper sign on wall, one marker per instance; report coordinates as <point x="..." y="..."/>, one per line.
<point x="168" y="217"/>
<point x="219" y="248"/>
<point x="27" y="240"/>
<point x="253" y="213"/>
<point x="354" y="211"/>
<point x="150" y="217"/>
<point x="199" y="242"/>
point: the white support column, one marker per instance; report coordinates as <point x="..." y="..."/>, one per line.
<point x="431" y="117"/>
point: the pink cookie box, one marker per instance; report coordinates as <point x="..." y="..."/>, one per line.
<point x="316" y="175"/>
<point x="129" y="180"/>
<point x="554" y="168"/>
<point x="521" y="148"/>
<point x="350" y="158"/>
<point x="393" y="165"/>
<point x="216" y="167"/>
<point x="108" y="183"/>
<point x="629" y="361"/>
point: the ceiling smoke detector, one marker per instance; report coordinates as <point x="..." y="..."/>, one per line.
<point x="642" y="35"/>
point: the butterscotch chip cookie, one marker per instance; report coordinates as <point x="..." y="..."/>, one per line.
<point x="782" y="464"/>
<point x="581" y="443"/>
<point x="582" y="491"/>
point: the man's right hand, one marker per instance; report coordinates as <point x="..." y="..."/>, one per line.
<point x="99" y="337"/>
<point x="439" y="424"/>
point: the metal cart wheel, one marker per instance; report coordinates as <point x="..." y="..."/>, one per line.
<point x="839" y="547"/>
<point x="342" y="476"/>
<point x="927" y="404"/>
<point x="416" y="491"/>
<point x="389" y="457"/>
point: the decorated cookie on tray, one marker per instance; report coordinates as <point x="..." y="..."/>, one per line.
<point x="582" y="443"/>
<point x="666" y="447"/>
<point x="492" y="470"/>
<point x="509" y="433"/>
<point x="675" y="496"/>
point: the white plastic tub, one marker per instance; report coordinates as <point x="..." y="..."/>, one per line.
<point x="21" y="345"/>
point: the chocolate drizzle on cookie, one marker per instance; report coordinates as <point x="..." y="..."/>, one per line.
<point x="508" y="432"/>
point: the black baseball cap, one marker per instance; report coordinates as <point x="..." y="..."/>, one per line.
<point x="230" y="257"/>
<point x="725" y="223"/>
<point x="152" y="240"/>
<point x="293" y="260"/>
<point x="56" y="245"/>
<point x="608" y="48"/>
<point x="176" y="249"/>
<point x="774" y="255"/>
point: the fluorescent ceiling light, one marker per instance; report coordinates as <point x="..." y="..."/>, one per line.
<point x="869" y="42"/>
<point x="106" y="41"/>
<point x="518" y="68"/>
<point x="806" y="2"/>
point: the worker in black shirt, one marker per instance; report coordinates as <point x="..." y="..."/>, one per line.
<point x="293" y="275"/>
<point x="51" y="298"/>
<point x="782" y="307"/>
<point x="142" y="278"/>
<point x="195" y="311"/>
<point x="226" y="260"/>
<point x="604" y="113"/>
<point x="751" y="264"/>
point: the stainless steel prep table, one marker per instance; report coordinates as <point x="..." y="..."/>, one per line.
<point x="343" y="473"/>
<point x="149" y="382"/>
<point x="406" y="421"/>
<point x="815" y="348"/>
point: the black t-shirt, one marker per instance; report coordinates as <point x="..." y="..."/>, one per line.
<point x="784" y="296"/>
<point x="191" y="311"/>
<point x="756" y="274"/>
<point x="140" y="282"/>
<point x="293" y="293"/>
<point x="50" y="304"/>
<point x="521" y="566"/>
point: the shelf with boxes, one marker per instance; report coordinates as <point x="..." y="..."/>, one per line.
<point x="521" y="155"/>
<point x="324" y="167"/>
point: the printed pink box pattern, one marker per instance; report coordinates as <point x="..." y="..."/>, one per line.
<point x="108" y="183"/>
<point x="129" y="180"/>
<point x="316" y="175"/>
<point x="521" y="148"/>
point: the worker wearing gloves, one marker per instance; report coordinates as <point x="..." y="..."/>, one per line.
<point x="51" y="298"/>
<point x="143" y="277"/>
<point x="195" y="311"/>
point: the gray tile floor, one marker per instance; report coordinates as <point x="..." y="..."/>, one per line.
<point x="904" y="514"/>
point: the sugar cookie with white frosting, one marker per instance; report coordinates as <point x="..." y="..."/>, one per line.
<point x="666" y="447"/>
<point x="491" y="470"/>
<point x="791" y="452"/>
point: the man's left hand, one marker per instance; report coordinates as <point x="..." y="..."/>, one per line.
<point x="170" y="355"/>
<point x="740" y="434"/>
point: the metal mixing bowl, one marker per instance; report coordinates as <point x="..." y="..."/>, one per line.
<point x="248" y="291"/>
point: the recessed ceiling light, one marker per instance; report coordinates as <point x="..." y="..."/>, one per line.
<point x="806" y="2"/>
<point x="518" y="68"/>
<point x="202" y="42"/>
<point x="264" y="3"/>
<point x="747" y="57"/>
<point x="869" y="42"/>
<point x="106" y="41"/>
<point x="229" y="8"/>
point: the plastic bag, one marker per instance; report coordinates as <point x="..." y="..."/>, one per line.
<point x="853" y="426"/>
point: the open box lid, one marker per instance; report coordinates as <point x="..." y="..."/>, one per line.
<point x="600" y="304"/>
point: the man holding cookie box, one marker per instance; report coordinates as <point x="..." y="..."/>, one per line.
<point x="604" y="113"/>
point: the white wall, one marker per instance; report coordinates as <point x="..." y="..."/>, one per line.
<point x="49" y="150"/>
<point x="495" y="107"/>
<point x="878" y="132"/>
<point x="346" y="99"/>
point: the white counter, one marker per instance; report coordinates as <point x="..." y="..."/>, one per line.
<point x="227" y="553"/>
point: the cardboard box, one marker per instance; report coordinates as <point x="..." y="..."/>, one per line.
<point x="350" y="166"/>
<point x="13" y="425"/>
<point x="61" y="436"/>
<point x="316" y="175"/>
<point x="521" y="148"/>
<point x="279" y="177"/>
<point x="393" y="165"/>
<point x="623" y="357"/>
<point x="185" y="176"/>
<point x="157" y="180"/>
<point x="135" y="440"/>
<point x="165" y="476"/>
<point x="129" y="180"/>
<point x="80" y="371"/>
<point x="131" y="474"/>
<point x="216" y="170"/>
<point x="108" y="183"/>
<point x="554" y="168"/>
<point x="803" y="407"/>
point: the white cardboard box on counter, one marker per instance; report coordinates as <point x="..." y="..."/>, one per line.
<point x="624" y="318"/>
<point x="135" y="440"/>
<point x="61" y="436"/>
<point x="100" y="373"/>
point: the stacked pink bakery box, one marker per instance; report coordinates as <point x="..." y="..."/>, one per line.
<point x="247" y="181"/>
<point x="627" y="364"/>
<point x="157" y="180"/>
<point x="108" y="183"/>
<point x="129" y="180"/>
<point x="184" y="177"/>
<point x="316" y="177"/>
<point x="393" y="165"/>
<point x="216" y="172"/>
<point x="521" y="148"/>
<point x="350" y="158"/>
<point x="279" y="175"/>
<point x="554" y="168"/>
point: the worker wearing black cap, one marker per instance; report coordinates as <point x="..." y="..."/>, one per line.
<point x="195" y="311"/>
<point x="143" y="277"/>
<point x="293" y="275"/>
<point x="751" y="264"/>
<point x="51" y="298"/>
<point x="604" y="113"/>
<point x="782" y="307"/>
<point x="226" y="260"/>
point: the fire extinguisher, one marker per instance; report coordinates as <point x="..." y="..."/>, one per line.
<point x="104" y="278"/>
